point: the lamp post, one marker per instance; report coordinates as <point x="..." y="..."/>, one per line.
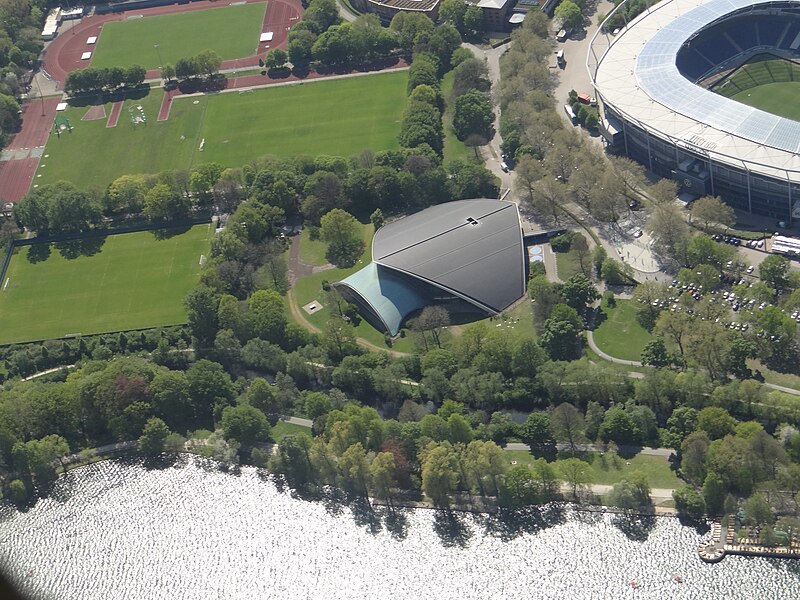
<point x="41" y="96"/>
<point x="158" y="52"/>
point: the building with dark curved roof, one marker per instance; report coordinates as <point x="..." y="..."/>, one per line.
<point x="468" y="256"/>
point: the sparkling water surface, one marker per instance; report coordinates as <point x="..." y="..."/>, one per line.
<point x="118" y="530"/>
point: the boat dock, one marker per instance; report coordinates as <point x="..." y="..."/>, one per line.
<point x="723" y="542"/>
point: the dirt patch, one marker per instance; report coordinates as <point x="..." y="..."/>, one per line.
<point x="95" y="113"/>
<point x="116" y="111"/>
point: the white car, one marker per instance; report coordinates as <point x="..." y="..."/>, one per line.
<point x="638" y="233"/>
<point x="750" y="269"/>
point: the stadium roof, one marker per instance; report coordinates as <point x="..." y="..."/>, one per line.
<point x="635" y="72"/>
<point x="472" y="249"/>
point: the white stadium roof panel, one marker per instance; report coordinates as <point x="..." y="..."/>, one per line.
<point x="636" y="74"/>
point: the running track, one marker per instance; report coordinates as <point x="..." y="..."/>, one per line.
<point x="16" y="175"/>
<point x="64" y="53"/>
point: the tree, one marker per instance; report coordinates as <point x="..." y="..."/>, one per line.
<point x="669" y="232"/>
<point x="276" y="59"/>
<point x="246" y="424"/>
<point x="201" y="307"/>
<point x="715" y="421"/>
<point x="439" y="472"/>
<point x="689" y="502"/>
<point x="208" y="62"/>
<point x="432" y="320"/>
<point x="561" y="330"/>
<point x="655" y="354"/>
<point x="452" y="11"/>
<point x="168" y="72"/>
<point x="339" y="338"/>
<point x="208" y="384"/>
<point x="567" y="424"/>
<point x="382" y="474"/>
<point x="266" y="317"/>
<point x="773" y="271"/>
<point x="575" y="472"/>
<point x="536" y="431"/>
<point x="162" y="202"/>
<point x="631" y="493"/>
<point x="711" y="209"/>
<point x="694" y="451"/>
<point x="569" y="15"/>
<point x="169" y="397"/>
<point x="758" y="511"/>
<point x="620" y="428"/>
<point x="154" y="436"/>
<point x="473" y="20"/>
<point x="472" y="114"/>
<point x="377" y="219"/>
<point x="714" y="494"/>
<point x="579" y="291"/>
<point x="343" y="235"/>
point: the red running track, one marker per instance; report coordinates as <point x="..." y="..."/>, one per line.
<point x="16" y="177"/>
<point x="17" y="174"/>
<point x="64" y="53"/>
<point x="35" y="127"/>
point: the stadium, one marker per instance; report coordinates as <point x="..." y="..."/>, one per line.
<point x="666" y="84"/>
<point x="467" y="255"/>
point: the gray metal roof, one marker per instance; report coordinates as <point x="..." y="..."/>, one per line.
<point x="473" y="248"/>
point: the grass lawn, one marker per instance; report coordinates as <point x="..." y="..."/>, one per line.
<point x="776" y="98"/>
<point x="783" y="379"/>
<point x="284" y="120"/>
<point x="230" y="31"/>
<point x="566" y="264"/>
<point x="130" y="281"/>
<point x="620" y="334"/>
<point x="310" y="288"/>
<point x="454" y="149"/>
<point x="281" y="429"/>
<point x="604" y="471"/>
<point x="94" y="155"/>
<point x="312" y="252"/>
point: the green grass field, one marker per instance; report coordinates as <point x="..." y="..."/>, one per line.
<point x="620" y="334"/>
<point x="284" y="120"/>
<point x="605" y="471"/>
<point x="133" y="280"/>
<point x="231" y="31"/>
<point x="776" y="98"/>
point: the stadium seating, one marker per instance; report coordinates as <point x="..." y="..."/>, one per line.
<point x="729" y="39"/>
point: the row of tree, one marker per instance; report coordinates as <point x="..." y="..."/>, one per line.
<point x="93" y="80"/>
<point x="204" y="64"/>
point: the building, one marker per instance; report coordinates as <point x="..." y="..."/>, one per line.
<point x="467" y="255"/>
<point x="495" y="13"/>
<point x="389" y="8"/>
<point x="653" y="82"/>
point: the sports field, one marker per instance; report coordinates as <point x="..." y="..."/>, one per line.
<point x="132" y="280"/>
<point x="231" y="31"/>
<point x="776" y="98"/>
<point x="339" y="117"/>
<point x="766" y="82"/>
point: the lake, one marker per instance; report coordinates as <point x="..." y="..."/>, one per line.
<point x="116" y="529"/>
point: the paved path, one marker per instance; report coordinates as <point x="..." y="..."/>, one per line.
<point x="665" y="452"/>
<point x="47" y="372"/>
<point x="297" y="421"/>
